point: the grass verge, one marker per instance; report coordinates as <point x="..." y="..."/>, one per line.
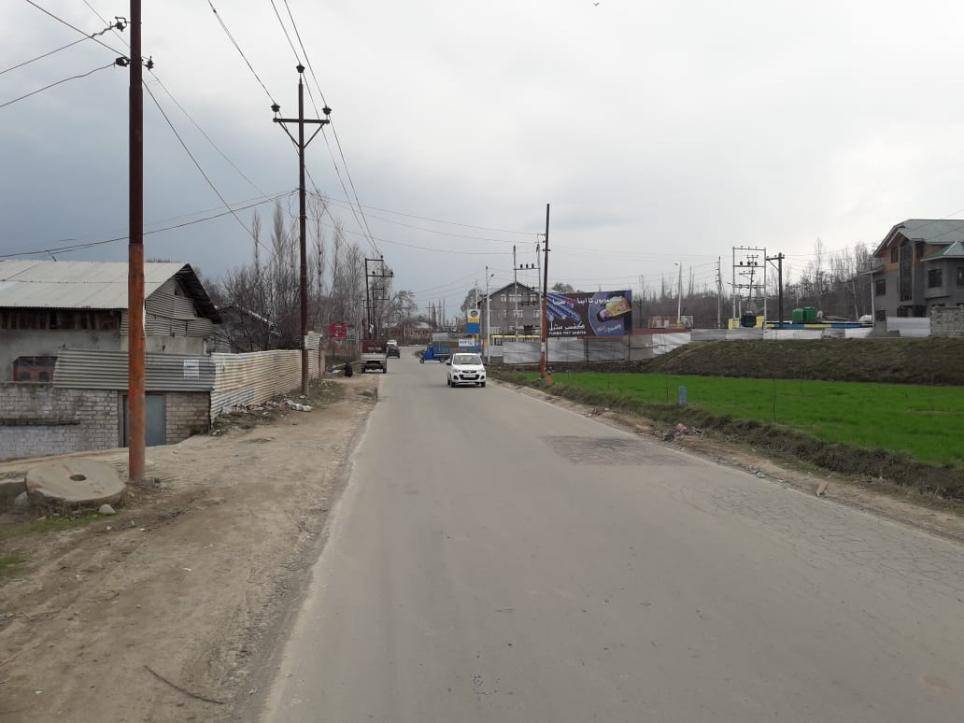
<point x="841" y="427"/>
<point x="47" y="524"/>
<point x="10" y="565"/>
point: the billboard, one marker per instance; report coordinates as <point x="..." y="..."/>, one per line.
<point x="473" y="320"/>
<point x="590" y="314"/>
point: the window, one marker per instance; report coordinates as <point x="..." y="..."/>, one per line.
<point x="918" y="251"/>
<point x="880" y="287"/>
<point x="37" y="369"/>
<point x="880" y="315"/>
<point x="894" y="251"/>
<point x="903" y="311"/>
<point x="960" y="275"/>
<point x="920" y="311"/>
<point x="935" y="278"/>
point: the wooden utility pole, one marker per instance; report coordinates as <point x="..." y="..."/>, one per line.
<point x="301" y="144"/>
<point x="135" y="274"/>
<point x="544" y="354"/>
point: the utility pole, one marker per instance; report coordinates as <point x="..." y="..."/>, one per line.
<point x="679" y="297"/>
<point x="488" y="319"/>
<point x="544" y="356"/>
<point x="719" y="292"/>
<point x="135" y="265"/>
<point x="368" y="305"/>
<point x="376" y="291"/>
<point x="779" y="259"/>
<point x="301" y="145"/>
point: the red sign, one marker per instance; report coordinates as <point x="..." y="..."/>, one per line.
<point x="338" y="330"/>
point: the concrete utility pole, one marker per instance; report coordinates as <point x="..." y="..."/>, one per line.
<point x="679" y="296"/>
<point x="779" y="259"/>
<point x="136" y="401"/>
<point x="544" y="355"/>
<point x="301" y="144"/>
<point x="719" y="292"/>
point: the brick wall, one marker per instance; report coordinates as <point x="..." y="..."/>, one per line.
<point x="187" y="413"/>
<point x="39" y="419"/>
<point x="947" y="321"/>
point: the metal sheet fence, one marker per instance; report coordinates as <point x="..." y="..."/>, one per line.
<point x="244" y="379"/>
<point x="107" y="369"/>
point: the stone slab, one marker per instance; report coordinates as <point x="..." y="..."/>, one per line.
<point x="74" y="483"/>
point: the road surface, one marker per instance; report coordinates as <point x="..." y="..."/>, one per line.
<point x="498" y="558"/>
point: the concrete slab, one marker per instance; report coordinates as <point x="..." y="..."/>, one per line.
<point x="74" y="483"/>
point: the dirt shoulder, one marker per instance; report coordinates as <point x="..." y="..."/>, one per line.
<point x="895" y="502"/>
<point x="144" y="615"/>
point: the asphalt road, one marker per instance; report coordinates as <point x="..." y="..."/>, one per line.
<point x="498" y="558"/>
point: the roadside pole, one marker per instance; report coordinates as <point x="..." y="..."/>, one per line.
<point x="135" y="273"/>
<point x="488" y="319"/>
<point x="544" y="355"/>
<point x="301" y="145"/>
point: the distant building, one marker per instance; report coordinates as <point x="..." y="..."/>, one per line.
<point x="516" y="310"/>
<point x="919" y="266"/>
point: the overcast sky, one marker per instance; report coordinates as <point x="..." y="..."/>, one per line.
<point x="658" y="131"/>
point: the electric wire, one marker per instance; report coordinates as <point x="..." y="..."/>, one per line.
<point x="89" y="244"/>
<point x="334" y="130"/>
<point x="74" y="28"/>
<point x="434" y="220"/>
<point x="44" y="55"/>
<point x="244" y="57"/>
<point x="201" y="170"/>
<point x="55" y="84"/>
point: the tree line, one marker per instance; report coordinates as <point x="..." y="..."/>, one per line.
<point x="260" y="300"/>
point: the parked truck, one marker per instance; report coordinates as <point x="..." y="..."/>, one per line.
<point x="374" y="355"/>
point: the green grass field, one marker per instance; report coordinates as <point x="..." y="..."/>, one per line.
<point x="925" y="422"/>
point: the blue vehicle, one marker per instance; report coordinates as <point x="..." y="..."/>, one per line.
<point x="440" y="351"/>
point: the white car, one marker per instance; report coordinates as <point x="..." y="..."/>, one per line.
<point x="465" y="369"/>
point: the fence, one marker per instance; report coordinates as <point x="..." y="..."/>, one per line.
<point x="650" y="344"/>
<point x="244" y="379"/>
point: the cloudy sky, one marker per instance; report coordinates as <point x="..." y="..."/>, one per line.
<point x="660" y="132"/>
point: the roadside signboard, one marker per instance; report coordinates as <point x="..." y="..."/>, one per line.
<point x="590" y="314"/>
<point x="338" y="330"/>
<point x="473" y="321"/>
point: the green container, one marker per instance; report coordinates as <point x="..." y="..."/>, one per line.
<point x="809" y="315"/>
<point x="796" y="316"/>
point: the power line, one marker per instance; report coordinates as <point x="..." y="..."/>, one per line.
<point x="425" y="248"/>
<point x="288" y="37"/>
<point x="237" y="47"/>
<point x="201" y="170"/>
<point x="59" y="82"/>
<point x="90" y="244"/>
<point x="183" y="110"/>
<point x="207" y="137"/>
<point x="431" y="230"/>
<point x="436" y="220"/>
<point x="74" y="28"/>
<point x="41" y="57"/>
<point x="334" y="130"/>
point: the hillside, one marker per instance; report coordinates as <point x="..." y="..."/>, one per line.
<point x="902" y="361"/>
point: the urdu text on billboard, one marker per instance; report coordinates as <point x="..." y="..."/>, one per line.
<point x="591" y="314"/>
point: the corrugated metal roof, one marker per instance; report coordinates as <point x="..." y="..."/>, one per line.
<point x="937" y="232"/>
<point x="954" y="251"/>
<point x="74" y="284"/>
